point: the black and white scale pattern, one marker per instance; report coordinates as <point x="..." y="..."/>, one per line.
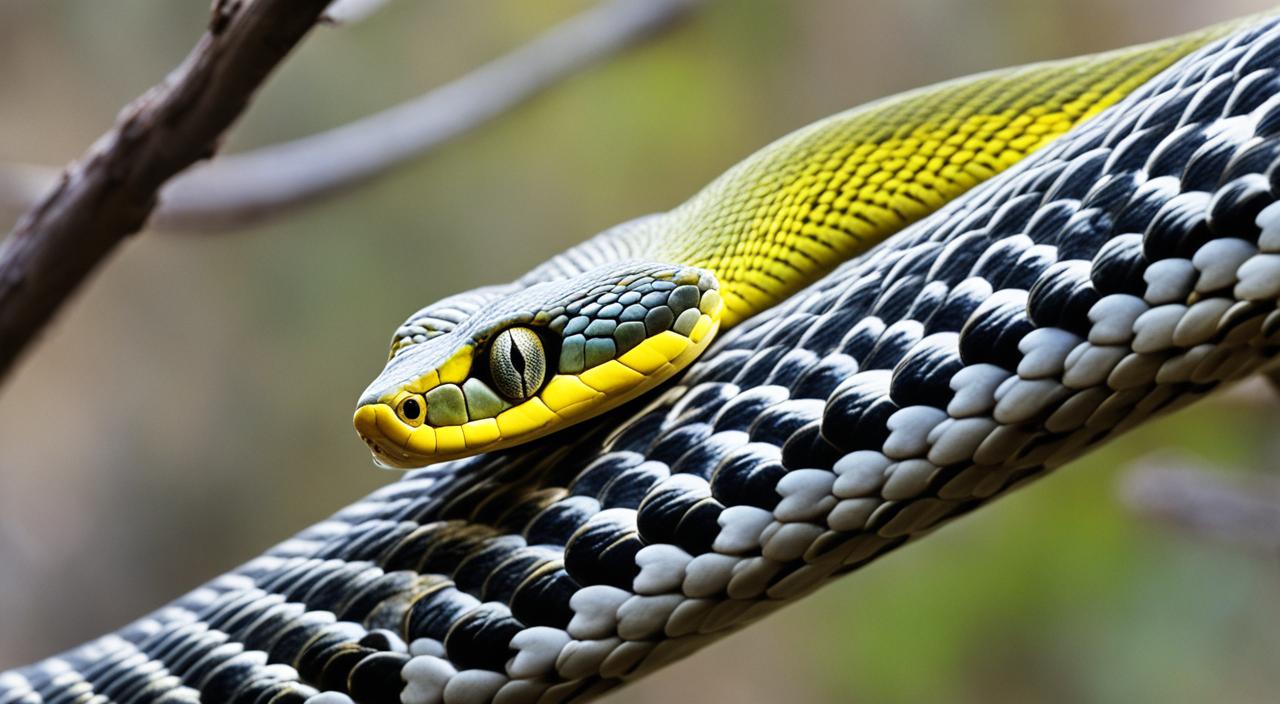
<point x="1127" y="269"/>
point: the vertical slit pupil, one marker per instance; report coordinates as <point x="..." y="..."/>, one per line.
<point x="518" y="364"/>
<point x="517" y="357"/>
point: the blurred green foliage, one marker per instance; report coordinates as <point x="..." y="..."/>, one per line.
<point x="192" y="404"/>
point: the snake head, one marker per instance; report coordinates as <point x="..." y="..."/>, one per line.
<point x="500" y="366"/>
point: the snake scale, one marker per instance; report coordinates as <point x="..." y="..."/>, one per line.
<point x="1037" y="306"/>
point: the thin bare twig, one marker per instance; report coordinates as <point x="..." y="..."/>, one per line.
<point x="109" y="193"/>
<point x="1242" y="513"/>
<point x="242" y="188"/>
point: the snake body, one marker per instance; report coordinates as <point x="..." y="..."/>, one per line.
<point x="1126" y="268"/>
<point x="612" y="318"/>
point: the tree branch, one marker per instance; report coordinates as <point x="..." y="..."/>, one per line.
<point x="1239" y="513"/>
<point x="243" y="188"/>
<point x="109" y="193"/>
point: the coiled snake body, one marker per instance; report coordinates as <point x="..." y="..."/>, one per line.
<point x="1123" y="269"/>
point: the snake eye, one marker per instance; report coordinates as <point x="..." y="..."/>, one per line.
<point x="410" y="410"/>
<point x="517" y="363"/>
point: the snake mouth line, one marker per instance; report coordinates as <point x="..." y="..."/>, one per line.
<point x="566" y="399"/>
<point x="380" y="456"/>
<point x="530" y="380"/>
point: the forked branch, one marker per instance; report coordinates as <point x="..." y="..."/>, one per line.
<point x="111" y="190"/>
<point x="123" y="182"/>
<point x="243" y="188"/>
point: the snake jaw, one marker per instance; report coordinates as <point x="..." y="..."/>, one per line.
<point x="600" y="339"/>
<point x="564" y="400"/>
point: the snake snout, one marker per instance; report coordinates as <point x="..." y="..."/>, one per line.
<point x="384" y="434"/>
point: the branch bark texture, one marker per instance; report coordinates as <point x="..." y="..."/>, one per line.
<point x="244" y="188"/>
<point x="109" y="192"/>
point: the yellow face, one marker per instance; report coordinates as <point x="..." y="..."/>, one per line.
<point x="528" y="375"/>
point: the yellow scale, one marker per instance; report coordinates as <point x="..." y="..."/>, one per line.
<point x="820" y="195"/>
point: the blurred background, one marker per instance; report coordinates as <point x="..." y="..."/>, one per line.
<point x="192" y="405"/>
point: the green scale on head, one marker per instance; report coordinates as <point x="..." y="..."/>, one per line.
<point x="619" y="314"/>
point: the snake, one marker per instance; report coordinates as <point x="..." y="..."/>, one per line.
<point x="870" y="328"/>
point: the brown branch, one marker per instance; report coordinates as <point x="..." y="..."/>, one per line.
<point x="1243" y="513"/>
<point x="243" y="188"/>
<point x="109" y="193"/>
